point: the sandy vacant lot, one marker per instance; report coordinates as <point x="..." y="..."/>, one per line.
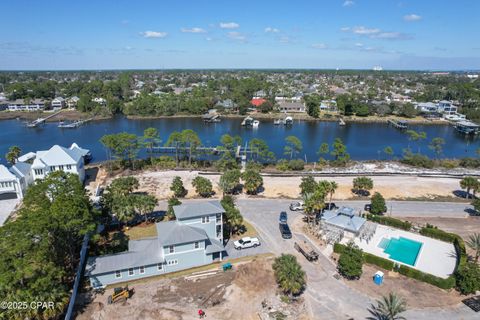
<point x="243" y="293"/>
<point x="398" y="187"/>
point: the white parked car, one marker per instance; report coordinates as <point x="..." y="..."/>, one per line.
<point x="297" y="206"/>
<point x="246" y="242"/>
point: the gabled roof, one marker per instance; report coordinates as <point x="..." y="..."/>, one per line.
<point x="214" y="245"/>
<point x="149" y="253"/>
<point x="58" y="155"/>
<point x="173" y="232"/>
<point x="258" y="102"/>
<point x="5" y="174"/>
<point x="198" y="209"/>
<point x="20" y="169"/>
<point x="27" y="156"/>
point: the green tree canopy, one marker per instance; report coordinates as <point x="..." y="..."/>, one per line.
<point x="293" y="146"/>
<point x="13" y="153"/>
<point x="362" y="185"/>
<point x="203" y="186"/>
<point x="177" y="187"/>
<point x="289" y="274"/>
<point x="378" y="205"/>
<point x="252" y="181"/>
<point x="351" y="261"/>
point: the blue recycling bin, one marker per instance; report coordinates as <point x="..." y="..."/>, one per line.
<point x="378" y="278"/>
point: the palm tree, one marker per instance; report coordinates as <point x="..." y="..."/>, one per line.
<point x="289" y="274"/>
<point x="388" y="308"/>
<point x="332" y="189"/>
<point x="469" y="183"/>
<point x="473" y="242"/>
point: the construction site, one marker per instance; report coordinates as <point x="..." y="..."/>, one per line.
<point x="246" y="292"/>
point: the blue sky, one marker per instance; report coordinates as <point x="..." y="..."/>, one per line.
<point x="126" y="34"/>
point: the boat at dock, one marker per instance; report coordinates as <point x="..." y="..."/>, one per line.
<point x="211" y="117"/>
<point x="341" y="122"/>
<point x="255" y="123"/>
<point x="467" y="127"/>
<point x="288" y="121"/>
<point x="277" y="122"/>
<point x="73" y="125"/>
<point x="247" y="122"/>
<point x="400" y="124"/>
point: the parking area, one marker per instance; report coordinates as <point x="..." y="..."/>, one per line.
<point x="233" y="253"/>
<point x="6" y="208"/>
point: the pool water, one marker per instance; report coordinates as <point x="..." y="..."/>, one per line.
<point x="402" y="249"/>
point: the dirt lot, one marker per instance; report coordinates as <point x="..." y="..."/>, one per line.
<point x="417" y="294"/>
<point x="391" y="187"/>
<point x="219" y="295"/>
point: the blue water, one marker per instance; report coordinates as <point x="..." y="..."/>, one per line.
<point x="402" y="249"/>
<point x="365" y="141"/>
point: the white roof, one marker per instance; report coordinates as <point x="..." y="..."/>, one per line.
<point x="58" y="155"/>
<point x="27" y="156"/>
<point x="5" y="174"/>
<point x="21" y="169"/>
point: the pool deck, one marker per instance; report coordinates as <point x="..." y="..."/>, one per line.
<point x="435" y="257"/>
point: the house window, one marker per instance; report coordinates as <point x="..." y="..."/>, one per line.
<point x="141" y="270"/>
<point x="160" y="266"/>
<point x="172" y="262"/>
<point x="69" y="167"/>
<point x="206" y="219"/>
<point x="118" y="274"/>
<point x="171" y="249"/>
<point x="197" y="245"/>
<point x="38" y="172"/>
<point x="52" y="168"/>
<point x="219" y="217"/>
<point x="60" y="168"/>
<point x="131" y="272"/>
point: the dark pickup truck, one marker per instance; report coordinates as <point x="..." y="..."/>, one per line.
<point x="285" y="231"/>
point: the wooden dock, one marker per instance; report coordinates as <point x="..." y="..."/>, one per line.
<point x="398" y="124"/>
<point x="35" y="123"/>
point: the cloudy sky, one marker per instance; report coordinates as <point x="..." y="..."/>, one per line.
<point x="126" y="34"/>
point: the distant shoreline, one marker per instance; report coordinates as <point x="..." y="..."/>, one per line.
<point x="71" y="115"/>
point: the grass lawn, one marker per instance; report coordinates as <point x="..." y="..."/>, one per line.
<point x="141" y="231"/>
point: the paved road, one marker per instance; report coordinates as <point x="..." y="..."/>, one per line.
<point x="6" y="208"/>
<point x="330" y="298"/>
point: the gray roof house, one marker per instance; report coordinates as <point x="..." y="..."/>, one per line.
<point x="343" y="218"/>
<point x="195" y="238"/>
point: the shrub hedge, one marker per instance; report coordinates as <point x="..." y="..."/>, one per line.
<point x="389" y="221"/>
<point x="378" y="261"/>
<point x="369" y="258"/>
<point x="447" y="283"/>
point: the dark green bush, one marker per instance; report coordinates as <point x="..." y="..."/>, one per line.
<point x="433" y="232"/>
<point x="338" y="248"/>
<point x="469" y="163"/>
<point x="418" y="160"/>
<point x="378" y="261"/>
<point x="428" y="278"/>
<point x="296" y="164"/>
<point x="389" y="221"/>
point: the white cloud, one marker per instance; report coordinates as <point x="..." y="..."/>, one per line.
<point x="376" y="33"/>
<point x="208" y="39"/>
<point x="229" y="25"/>
<point x="412" y="17"/>
<point x="234" y="35"/>
<point x="193" y="30"/>
<point x="272" y="30"/>
<point x="153" y="34"/>
<point x="363" y="30"/>
<point x="348" y="3"/>
<point x="319" y="46"/>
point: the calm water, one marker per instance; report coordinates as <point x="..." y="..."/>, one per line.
<point x="364" y="141"/>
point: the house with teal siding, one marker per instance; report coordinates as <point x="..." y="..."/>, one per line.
<point x="194" y="239"/>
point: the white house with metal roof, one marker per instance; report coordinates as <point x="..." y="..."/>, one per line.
<point x="195" y="238"/>
<point x="59" y="158"/>
<point x="344" y="219"/>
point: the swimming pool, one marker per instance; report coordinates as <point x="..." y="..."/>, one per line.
<point x="402" y="249"/>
